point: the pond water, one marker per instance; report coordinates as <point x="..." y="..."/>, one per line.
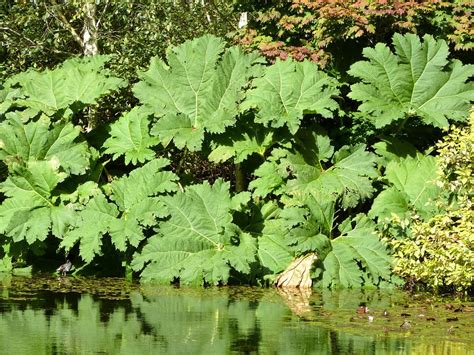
<point x="47" y="315"/>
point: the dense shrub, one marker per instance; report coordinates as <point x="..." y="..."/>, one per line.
<point x="439" y="251"/>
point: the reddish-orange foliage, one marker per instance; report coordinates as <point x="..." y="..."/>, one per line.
<point x="307" y="28"/>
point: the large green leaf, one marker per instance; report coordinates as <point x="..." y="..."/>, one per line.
<point x="40" y="155"/>
<point x="412" y="186"/>
<point x="391" y="148"/>
<point x="20" y="142"/>
<point x="273" y="252"/>
<point x="29" y="211"/>
<point x="290" y="89"/>
<point x="136" y="197"/>
<point x="77" y="80"/>
<point x="130" y="136"/>
<point x="243" y="141"/>
<point x="306" y="169"/>
<point x="136" y="207"/>
<point x="418" y="80"/>
<point x="348" y="178"/>
<point x="310" y="227"/>
<point x="199" y="243"/>
<point x="198" y="91"/>
<point x="357" y="258"/>
<point x="90" y="224"/>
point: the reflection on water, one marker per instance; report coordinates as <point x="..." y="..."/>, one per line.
<point x="35" y="320"/>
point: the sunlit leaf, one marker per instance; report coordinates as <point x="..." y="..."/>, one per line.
<point x="418" y="80"/>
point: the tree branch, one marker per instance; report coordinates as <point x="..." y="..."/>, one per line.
<point x="60" y="16"/>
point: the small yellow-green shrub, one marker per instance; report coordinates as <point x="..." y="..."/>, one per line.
<point x="439" y="252"/>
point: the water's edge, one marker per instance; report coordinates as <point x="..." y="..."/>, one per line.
<point x="45" y="314"/>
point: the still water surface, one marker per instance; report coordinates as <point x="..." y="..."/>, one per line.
<point x="45" y="315"/>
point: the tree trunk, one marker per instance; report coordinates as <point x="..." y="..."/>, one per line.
<point x="243" y="19"/>
<point x="90" y="30"/>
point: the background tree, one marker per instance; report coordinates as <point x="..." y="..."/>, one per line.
<point x="334" y="32"/>
<point x="40" y="34"/>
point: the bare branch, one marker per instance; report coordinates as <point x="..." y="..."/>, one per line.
<point x="66" y="24"/>
<point x="18" y="34"/>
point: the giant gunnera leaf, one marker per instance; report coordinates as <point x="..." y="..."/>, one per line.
<point x="198" y="243"/>
<point x="309" y="227"/>
<point x="289" y="89"/>
<point x="39" y="140"/>
<point x="77" y="81"/>
<point x="417" y="80"/>
<point x="411" y="188"/>
<point x="357" y="257"/>
<point x="130" y="137"/>
<point x="30" y="210"/>
<point x="39" y="156"/>
<point x="273" y="253"/>
<point x="306" y="168"/>
<point x="197" y="91"/>
<point x="134" y="207"/>
<point x="137" y="198"/>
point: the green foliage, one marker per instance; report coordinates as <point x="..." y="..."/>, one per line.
<point x="287" y="90"/>
<point x="130" y="137"/>
<point x="416" y="81"/>
<point x="90" y="224"/>
<point x="135" y="207"/>
<point x="333" y="32"/>
<point x="30" y="211"/>
<point x="77" y="81"/>
<point x="357" y="258"/>
<point x="412" y="188"/>
<point x="240" y="143"/>
<point x="39" y="140"/>
<point x="142" y="194"/>
<point x="197" y="92"/>
<point x="438" y="250"/>
<point x="456" y="161"/>
<point x="305" y="169"/>
<point x="39" y="157"/>
<point x="348" y="178"/>
<point x="273" y="253"/>
<point x="199" y="243"/>
<point x="349" y="255"/>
